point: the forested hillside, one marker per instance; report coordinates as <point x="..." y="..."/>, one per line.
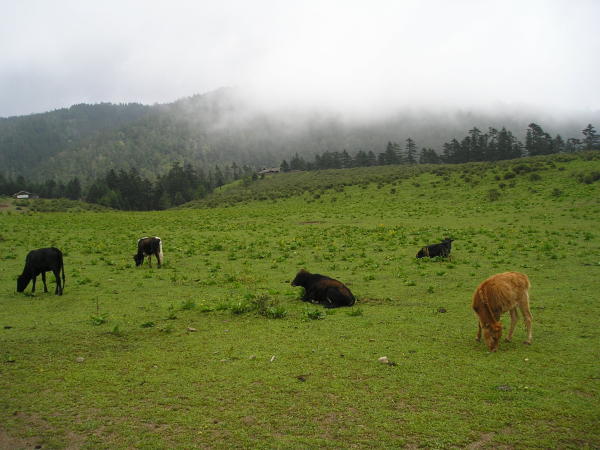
<point x="222" y="128"/>
<point x="33" y="142"/>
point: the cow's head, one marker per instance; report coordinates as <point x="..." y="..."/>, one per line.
<point x="22" y="282"/>
<point x="139" y="259"/>
<point x="492" y="334"/>
<point x="300" y="278"/>
<point x="448" y="240"/>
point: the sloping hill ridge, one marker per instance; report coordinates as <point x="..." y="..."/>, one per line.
<point x="223" y="127"/>
<point x="480" y="178"/>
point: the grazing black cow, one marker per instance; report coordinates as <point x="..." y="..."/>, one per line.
<point x="431" y="251"/>
<point x="324" y="290"/>
<point x="41" y="261"/>
<point x="148" y="246"/>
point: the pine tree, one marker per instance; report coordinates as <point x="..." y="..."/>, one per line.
<point x="537" y="142"/>
<point x="361" y="159"/>
<point x="371" y="158"/>
<point x="411" y="151"/>
<point x="591" y="139"/>
<point x="73" y="190"/>
<point x="558" y="144"/>
<point x="572" y="145"/>
<point x="429" y="156"/>
<point x="390" y="155"/>
<point x="345" y="159"/>
<point x="297" y="163"/>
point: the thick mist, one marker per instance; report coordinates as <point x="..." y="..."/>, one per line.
<point x="361" y="60"/>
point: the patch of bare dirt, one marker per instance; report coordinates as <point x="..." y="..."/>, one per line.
<point x="7" y="441"/>
<point x="484" y="440"/>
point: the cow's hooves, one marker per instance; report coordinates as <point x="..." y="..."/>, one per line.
<point x="507" y="340"/>
<point x="527" y="343"/>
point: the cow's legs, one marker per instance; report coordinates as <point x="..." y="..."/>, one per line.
<point x="157" y="258"/>
<point x="478" y="338"/>
<point x="58" y="290"/>
<point x="514" y="317"/>
<point x="524" y="307"/>
<point x="33" y="285"/>
<point x="44" y="281"/>
<point x="150" y="260"/>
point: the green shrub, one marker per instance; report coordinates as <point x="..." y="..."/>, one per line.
<point x="493" y="195"/>
<point x="314" y="314"/>
<point x="275" y="312"/>
<point x="588" y="177"/>
<point x="188" y="304"/>
<point x="242" y="308"/>
<point x="354" y="312"/>
<point x="99" y="319"/>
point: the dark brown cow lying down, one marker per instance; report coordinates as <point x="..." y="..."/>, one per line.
<point x="324" y="290"/>
<point x="498" y="294"/>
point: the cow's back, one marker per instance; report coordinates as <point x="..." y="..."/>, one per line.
<point x="502" y="291"/>
<point x="44" y="259"/>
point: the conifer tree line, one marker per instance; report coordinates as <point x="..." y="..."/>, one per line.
<point x="128" y="190"/>
<point x="493" y="145"/>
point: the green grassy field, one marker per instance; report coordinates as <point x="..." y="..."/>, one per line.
<point x="216" y="350"/>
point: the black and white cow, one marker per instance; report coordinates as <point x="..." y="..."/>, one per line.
<point x="41" y="261"/>
<point x="148" y="246"/>
<point x="442" y="249"/>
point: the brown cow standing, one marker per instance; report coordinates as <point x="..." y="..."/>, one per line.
<point x="498" y="294"/>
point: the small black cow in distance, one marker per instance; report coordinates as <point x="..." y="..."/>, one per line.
<point x="148" y="246"/>
<point x="431" y="251"/>
<point x="41" y="261"/>
<point x="324" y="290"/>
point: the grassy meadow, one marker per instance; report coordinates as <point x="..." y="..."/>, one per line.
<point x="216" y="350"/>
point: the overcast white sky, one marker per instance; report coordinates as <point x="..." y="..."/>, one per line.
<point x="345" y="54"/>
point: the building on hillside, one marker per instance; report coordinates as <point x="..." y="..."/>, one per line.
<point x="23" y="195"/>
<point x="269" y="170"/>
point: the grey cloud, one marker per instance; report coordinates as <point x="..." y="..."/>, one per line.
<point x="352" y="56"/>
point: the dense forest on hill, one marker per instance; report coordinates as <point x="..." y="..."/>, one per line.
<point x="222" y="128"/>
<point x="27" y="143"/>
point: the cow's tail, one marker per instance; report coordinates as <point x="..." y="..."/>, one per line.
<point x="160" y="252"/>
<point x="62" y="268"/>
